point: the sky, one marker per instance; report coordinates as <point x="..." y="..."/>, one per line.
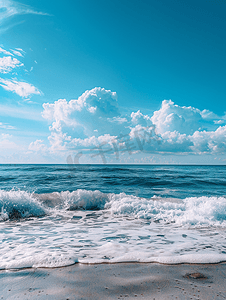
<point x="135" y="82"/>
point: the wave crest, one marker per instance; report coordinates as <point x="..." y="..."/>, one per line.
<point x="16" y="204"/>
<point x="207" y="211"/>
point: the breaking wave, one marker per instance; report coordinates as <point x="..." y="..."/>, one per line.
<point x="16" y="204"/>
<point x="208" y="211"/>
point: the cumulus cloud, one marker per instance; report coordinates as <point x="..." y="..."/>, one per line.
<point x="94" y="112"/>
<point x="37" y="146"/>
<point x="183" y="129"/>
<point x="21" y="88"/>
<point x="208" y="115"/>
<point x="139" y="118"/>
<point x="7" y="63"/>
<point x="175" y="142"/>
<point x="93" y="122"/>
<point x="173" y="117"/>
<point x="96" y="101"/>
<point x="209" y="141"/>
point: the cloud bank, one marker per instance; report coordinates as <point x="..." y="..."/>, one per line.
<point x="93" y="123"/>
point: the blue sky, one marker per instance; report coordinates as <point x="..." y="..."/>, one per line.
<point x="117" y="64"/>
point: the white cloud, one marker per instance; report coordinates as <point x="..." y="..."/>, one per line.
<point x="21" y="50"/>
<point x="7" y="63"/>
<point x="94" y="120"/>
<point x="117" y="120"/>
<point x="9" y="8"/>
<point x="139" y="118"/>
<point x="5" y="136"/>
<point x="75" y="119"/>
<point x="6" y="126"/>
<point x="5" y="143"/>
<point x="18" y="52"/>
<point x="209" y="141"/>
<point x="21" y="88"/>
<point x="5" y="51"/>
<point x="207" y="114"/>
<point x="185" y="129"/>
<point x="92" y="142"/>
<point x="219" y="121"/>
<point x="175" y="142"/>
<point x="199" y="142"/>
<point x="173" y="117"/>
<point x="15" y="85"/>
<point x="37" y="146"/>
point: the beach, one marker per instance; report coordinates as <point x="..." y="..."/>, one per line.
<point x="116" y="281"/>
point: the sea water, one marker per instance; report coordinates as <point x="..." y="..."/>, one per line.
<point x="57" y="215"/>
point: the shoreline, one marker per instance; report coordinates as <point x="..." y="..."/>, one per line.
<point x="153" y="281"/>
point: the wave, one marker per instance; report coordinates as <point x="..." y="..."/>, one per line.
<point x="76" y="200"/>
<point x="192" y="211"/>
<point x="208" y="211"/>
<point x="16" y="204"/>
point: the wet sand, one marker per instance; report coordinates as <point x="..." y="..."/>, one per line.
<point x="116" y="281"/>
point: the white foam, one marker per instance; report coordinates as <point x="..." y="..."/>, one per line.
<point x="16" y="204"/>
<point x="195" y="211"/>
<point x="115" y="252"/>
<point x="119" y="228"/>
<point x="36" y="259"/>
<point x="208" y="211"/>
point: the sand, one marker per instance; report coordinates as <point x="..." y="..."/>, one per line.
<point x="116" y="281"/>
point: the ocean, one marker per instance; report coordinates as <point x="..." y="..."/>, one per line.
<point x="58" y="215"/>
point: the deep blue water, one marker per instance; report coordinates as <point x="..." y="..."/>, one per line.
<point x="139" y="180"/>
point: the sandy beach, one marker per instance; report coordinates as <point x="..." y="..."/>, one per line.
<point x="116" y="281"/>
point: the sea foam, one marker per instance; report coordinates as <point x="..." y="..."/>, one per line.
<point x="193" y="211"/>
<point x="16" y="204"/>
<point x="94" y="227"/>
